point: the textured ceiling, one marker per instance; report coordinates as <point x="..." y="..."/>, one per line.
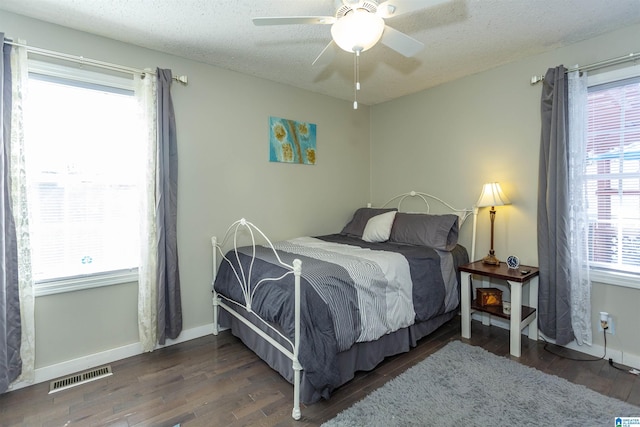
<point x="462" y="37"/>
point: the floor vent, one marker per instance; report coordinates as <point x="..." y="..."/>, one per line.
<point x="81" y="378"/>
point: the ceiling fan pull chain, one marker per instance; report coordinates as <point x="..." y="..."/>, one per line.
<point x="356" y="78"/>
<point x="357" y="70"/>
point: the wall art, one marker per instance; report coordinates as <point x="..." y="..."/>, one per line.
<point x="291" y="141"/>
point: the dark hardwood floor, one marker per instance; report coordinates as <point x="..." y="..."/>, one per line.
<point x="216" y="381"/>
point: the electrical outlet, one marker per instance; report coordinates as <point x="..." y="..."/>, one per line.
<point x="610" y="325"/>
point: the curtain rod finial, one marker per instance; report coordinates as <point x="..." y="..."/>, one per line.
<point x="182" y="79"/>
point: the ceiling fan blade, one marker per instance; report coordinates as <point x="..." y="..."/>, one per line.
<point x="326" y="55"/>
<point x="391" y="8"/>
<point x="289" y="20"/>
<point x="400" y="42"/>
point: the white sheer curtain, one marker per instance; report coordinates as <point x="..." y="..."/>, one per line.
<point x="19" y="72"/>
<point x="579" y="225"/>
<point x="146" y="91"/>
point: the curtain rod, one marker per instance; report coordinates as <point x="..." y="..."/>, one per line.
<point x="595" y="66"/>
<point x="87" y="61"/>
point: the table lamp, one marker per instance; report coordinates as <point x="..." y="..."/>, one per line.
<point x="492" y="195"/>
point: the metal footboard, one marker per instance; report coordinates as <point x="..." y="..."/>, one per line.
<point x="244" y="278"/>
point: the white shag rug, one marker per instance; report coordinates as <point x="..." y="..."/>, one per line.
<point x="464" y="385"/>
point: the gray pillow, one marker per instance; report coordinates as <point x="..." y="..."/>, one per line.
<point x="436" y="231"/>
<point x="356" y="226"/>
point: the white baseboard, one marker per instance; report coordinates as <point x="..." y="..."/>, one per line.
<point x="48" y="373"/>
<point x="627" y="359"/>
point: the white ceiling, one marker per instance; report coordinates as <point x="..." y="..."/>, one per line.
<point x="462" y="37"/>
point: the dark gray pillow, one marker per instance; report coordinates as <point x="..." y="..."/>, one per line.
<point x="436" y="231"/>
<point x="356" y="226"/>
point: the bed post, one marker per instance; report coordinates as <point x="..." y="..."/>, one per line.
<point x="214" y="244"/>
<point x="297" y="268"/>
<point x="473" y="233"/>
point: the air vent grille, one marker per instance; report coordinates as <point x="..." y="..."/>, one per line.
<point x="80" y="378"/>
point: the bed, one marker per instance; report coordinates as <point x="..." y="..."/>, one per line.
<point x="318" y="309"/>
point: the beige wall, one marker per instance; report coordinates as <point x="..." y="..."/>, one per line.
<point x="224" y="174"/>
<point x="451" y="139"/>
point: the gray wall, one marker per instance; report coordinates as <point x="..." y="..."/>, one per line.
<point x="448" y="141"/>
<point x="451" y="139"/>
<point x="225" y="173"/>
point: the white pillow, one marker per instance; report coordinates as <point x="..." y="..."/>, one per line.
<point x="378" y="228"/>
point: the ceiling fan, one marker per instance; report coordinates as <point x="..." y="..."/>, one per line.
<point x="358" y="25"/>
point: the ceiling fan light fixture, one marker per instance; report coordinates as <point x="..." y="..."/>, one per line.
<point x="357" y="31"/>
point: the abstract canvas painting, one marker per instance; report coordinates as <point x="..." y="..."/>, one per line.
<point x="291" y="141"/>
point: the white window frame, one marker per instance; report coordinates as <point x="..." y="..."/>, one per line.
<point x="97" y="280"/>
<point x="612" y="277"/>
<point x="71" y="284"/>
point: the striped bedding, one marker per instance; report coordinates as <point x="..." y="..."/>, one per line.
<point x="352" y="291"/>
<point x="377" y="283"/>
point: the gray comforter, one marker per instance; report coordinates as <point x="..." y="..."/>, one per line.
<point x="349" y="293"/>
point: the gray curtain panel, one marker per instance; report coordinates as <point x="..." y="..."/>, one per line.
<point x="10" y="327"/>
<point x="169" y="301"/>
<point x="554" y="251"/>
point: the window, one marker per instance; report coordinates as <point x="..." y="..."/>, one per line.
<point x="613" y="173"/>
<point x="83" y="154"/>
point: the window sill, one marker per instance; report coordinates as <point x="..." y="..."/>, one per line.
<point x="85" y="282"/>
<point x="614" y="278"/>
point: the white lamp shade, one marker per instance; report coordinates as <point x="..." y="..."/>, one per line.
<point x="357" y="31"/>
<point x="492" y="195"/>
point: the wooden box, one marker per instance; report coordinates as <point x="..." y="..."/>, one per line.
<point x="488" y="297"/>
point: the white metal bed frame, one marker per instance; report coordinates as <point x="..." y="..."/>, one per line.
<point x="244" y="279"/>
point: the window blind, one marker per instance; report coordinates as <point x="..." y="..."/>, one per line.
<point x="613" y="175"/>
<point x="83" y="169"/>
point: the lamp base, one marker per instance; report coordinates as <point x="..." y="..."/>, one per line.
<point x="491" y="259"/>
